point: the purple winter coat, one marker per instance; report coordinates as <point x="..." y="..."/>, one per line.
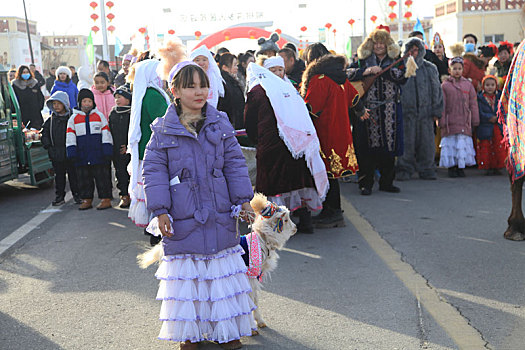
<point x="213" y="176"/>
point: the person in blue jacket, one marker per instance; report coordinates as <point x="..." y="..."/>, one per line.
<point x="64" y="83"/>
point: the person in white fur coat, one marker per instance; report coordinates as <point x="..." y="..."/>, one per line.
<point x="85" y="78"/>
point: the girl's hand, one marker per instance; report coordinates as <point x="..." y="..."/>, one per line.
<point x="366" y="115"/>
<point x="246" y="211"/>
<point x="165" y="225"/>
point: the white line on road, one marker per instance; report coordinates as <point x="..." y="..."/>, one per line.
<point x="448" y="317"/>
<point x="22" y="231"/>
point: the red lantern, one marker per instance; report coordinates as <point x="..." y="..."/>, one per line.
<point x="198" y="35"/>
<point x="227" y="35"/>
<point x="351" y="21"/>
<point x="409" y="3"/>
<point x="142" y="30"/>
<point x="278" y="31"/>
<point x="95" y="29"/>
<point x="303" y="29"/>
<point x="328" y="25"/>
<point x="392" y="16"/>
<point x="408" y="15"/>
<point x="334" y="31"/>
<point x="110" y="4"/>
<point x="171" y="32"/>
<point x="252" y="34"/>
<point x="94" y="17"/>
<point x="392" y="4"/>
<point x="111" y="29"/>
<point x="93" y="4"/>
<point x="110" y="16"/>
<point x="373" y="18"/>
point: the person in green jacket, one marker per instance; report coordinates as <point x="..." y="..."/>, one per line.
<point x="150" y="101"/>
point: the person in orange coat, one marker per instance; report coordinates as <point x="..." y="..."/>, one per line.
<point x="330" y="95"/>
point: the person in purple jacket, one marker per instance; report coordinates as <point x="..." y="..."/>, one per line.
<point x="194" y="176"/>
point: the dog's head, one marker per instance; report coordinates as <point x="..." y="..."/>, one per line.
<point x="272" y="222"/>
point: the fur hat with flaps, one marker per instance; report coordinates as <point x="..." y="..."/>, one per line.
<point x="269" y="44"/>
<point x="378" y="36"/>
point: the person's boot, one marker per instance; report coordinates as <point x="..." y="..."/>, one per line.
<point x="59" y="200"/>
<point x="334" y="218"/>
<point x="76" y="198"/>
<point x="188" y="345"/>
<point x="389" y="188"/>
<point x="86" y="204"/>
<point x="305" y="224"/>
<point x="324" y="213"/>
<point x="453" y="172"/>
<point x="105" y="203"/>
<point x="231" y="345"/>
<point x="460" y="172"/>
<point x="125" y="201"/>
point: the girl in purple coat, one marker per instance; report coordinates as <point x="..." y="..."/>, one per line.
<point x="460" y="116"/>
<point x="194" y="175"/>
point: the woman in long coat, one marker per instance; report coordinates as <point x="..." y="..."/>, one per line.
<point x="30" y="98"/>
<point x="379" y="139"/>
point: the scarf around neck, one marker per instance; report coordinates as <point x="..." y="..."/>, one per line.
<point x="22" y="84"/>
<point x="293" y="122"/>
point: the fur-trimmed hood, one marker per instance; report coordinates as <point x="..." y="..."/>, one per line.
<point x="331" y="65"/>
<point x="478" y="62"/>
<point x="379" y="35"/>
<point x="420" y="45"/>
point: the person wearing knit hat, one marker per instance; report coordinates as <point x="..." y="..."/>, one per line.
<point x="490" y="152"/>
<point x="505" y="51"/>
<point x="64" y="83"/>
<point x="268" y="47"/>
<point x="90" y="146"/>
<point x="119" y="126"/>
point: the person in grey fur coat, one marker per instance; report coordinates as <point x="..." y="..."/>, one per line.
<point x="422" y="102"/>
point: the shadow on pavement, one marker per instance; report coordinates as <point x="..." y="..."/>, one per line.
<point x="15" y="335"/>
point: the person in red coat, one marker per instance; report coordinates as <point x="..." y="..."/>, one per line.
<point x="327" y="90"/>
<point x="475" y="65"/>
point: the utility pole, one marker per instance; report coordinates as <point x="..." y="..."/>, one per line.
<point x="105" y="49"/>
<point x="364" y="20"/>
<point x="400" y="21"/>
<point x="28" y="34"/>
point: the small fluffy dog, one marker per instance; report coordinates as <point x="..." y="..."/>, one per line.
<point x="272" y="227"/>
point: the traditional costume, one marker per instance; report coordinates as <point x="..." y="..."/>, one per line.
<point x="214" y="75"/>
<point x="150" y="101"/>
<point x="290" y="170"/>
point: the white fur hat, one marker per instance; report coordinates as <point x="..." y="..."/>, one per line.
<point x="63" y="69"/>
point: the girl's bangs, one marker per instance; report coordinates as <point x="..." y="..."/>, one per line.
<point x="186" y="77"/>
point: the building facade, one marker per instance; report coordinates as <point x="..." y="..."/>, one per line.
<point x="64" y="50"/>
<point x="489" y="20"/>
<point x="14" y="44"/>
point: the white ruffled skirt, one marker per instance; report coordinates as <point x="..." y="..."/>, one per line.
<point x="205" y="297"/>
<point x="457" y="150"/>
<point x="138" y="212"/>
<point x="294" y="200"/>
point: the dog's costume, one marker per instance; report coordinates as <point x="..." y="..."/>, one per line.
<point x="252" y="255"/>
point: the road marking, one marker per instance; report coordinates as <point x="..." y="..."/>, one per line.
<point x="477" y="239"/>
<point x="22" y="231"/>
<point x="310" y="255"/>
<point x="456" y="326"/>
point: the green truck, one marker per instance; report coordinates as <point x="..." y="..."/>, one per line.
<point x="18" y="153"/>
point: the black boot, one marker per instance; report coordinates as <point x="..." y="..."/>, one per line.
<point x="453" y="172"/>
<point x="334" y="218"/>
<point x="305" y="224"/>
<point x="59" y="200"/>
<point x="323" y="214"/>
<point x="76" y="198"/>
<point x="460" y="172"/>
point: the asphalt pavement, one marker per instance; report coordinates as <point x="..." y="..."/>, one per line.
<point x="424" y="269"/>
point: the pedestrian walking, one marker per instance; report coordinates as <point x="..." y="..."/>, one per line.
<point x="330" y="95"/>
<point x="90" y="146"/>
<point x="422" y="103"/>
<point x="30" y="98"/>
<point x="294" y="66"/>
<point x="37" y="75"/>
<point x="203" y="284"/>
<point x="64" y="83"/>
<point x="290" y="170"/>
<point x="460" y="116"/>
<point x="119" y="127"/>
<point x="50" y="80"/>
<point x="233" y="101"/>
<point x="490" y="151"/>
<point x="54" y="141"/>
<point x="74" y="75"/>
<point x="379" y="139"/>
<point x="103" y="92"/>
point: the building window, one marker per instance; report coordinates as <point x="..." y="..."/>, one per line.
<point x="440" y="11"/>
<point x="451" y="7"/>
<point x="494" y="38"/>
<point x="4" y="26"/>
<point x="481" y="5"/>
<point x="514" y="4"/>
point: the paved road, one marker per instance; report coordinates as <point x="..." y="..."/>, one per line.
<point x="408" y="274"/>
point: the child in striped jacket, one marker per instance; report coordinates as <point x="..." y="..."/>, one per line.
<point x="90" y="145"/>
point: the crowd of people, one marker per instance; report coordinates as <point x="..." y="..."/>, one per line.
<point x="171" y="121"/>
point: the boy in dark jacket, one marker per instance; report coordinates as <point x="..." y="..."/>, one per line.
<point x="119" y="124"/>
<point x="54" y="140"/>
<point x="90" y="145"/>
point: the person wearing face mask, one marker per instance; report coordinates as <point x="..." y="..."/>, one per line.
<point x="475" y="65"/>
<point x="30" y="98"/>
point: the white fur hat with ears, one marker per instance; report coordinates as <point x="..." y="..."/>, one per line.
<point x="63" y="69"/>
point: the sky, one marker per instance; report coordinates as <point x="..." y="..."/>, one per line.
<point x="73" y="16"/>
